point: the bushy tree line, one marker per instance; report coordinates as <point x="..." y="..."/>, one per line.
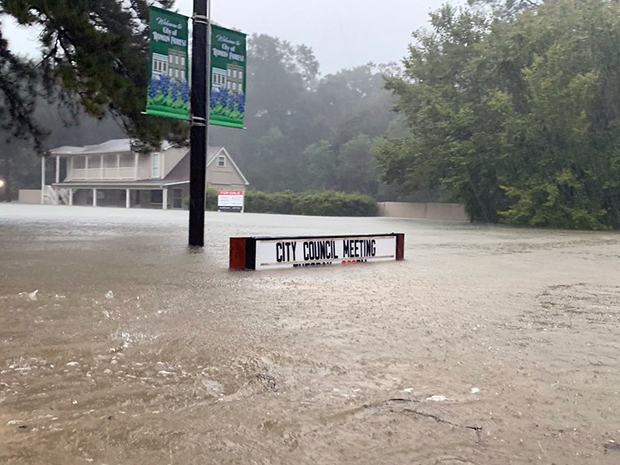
<point x="515" y="112"/>
<point x="306" y="131"/>
<point x="312" y="203"/>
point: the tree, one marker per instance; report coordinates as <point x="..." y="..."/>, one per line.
<point x="357" y="170"/>
<point x="504" y="8"/>
<point x="518" y="117"/>
<point x="18" y="84"/>
<point x="322" y="166"/>
<point x="288" y="101"/>
<point x="95" y="52"/>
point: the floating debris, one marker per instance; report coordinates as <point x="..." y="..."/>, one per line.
<point x="268" y="380"/>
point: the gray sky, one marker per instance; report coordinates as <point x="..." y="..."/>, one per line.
<point x="343" y="33"/>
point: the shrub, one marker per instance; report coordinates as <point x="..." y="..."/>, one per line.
<point x="314" y="203"/>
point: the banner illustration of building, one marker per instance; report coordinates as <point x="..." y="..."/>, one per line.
<point x="168" y="91"/>
<point x="228" y="75"/>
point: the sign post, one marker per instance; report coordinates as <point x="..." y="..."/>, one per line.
<point x="168" y="91"/>
<point x="199" y="122"/>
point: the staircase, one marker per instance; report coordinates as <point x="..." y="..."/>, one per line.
<point x="50" y="196"/>
<point x="64" y="196"/>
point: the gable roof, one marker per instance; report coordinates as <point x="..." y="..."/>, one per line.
<point x="111" y="146"/>
<point x="181" y="171"/>
<point x="210" y="160"/>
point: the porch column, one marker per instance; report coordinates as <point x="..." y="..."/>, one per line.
<point x="70" y="197"/>
<point x="101" y="172"/>
<point x="127" y="198"/>
<point x="42" y="180"/>
<point x="164" y="200"/>
<point x="94" y="197"/>
<point x="57" y="170"/>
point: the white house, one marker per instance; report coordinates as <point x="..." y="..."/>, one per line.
<point x="111" y="174"/>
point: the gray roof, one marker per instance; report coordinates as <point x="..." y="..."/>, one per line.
<point x="111" y="146"/>
<point x="181" y="171"/>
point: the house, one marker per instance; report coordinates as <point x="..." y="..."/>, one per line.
<point x="112" y="174"/>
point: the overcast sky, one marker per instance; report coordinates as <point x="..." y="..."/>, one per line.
<point x="343" y="33"/>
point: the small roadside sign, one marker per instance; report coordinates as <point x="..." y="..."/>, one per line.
<point x="230" y="201"/>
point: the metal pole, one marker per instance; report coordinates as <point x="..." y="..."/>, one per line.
<point x="201" y="52"/>
<point x="42" y="179"/>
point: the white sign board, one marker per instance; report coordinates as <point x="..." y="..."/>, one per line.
<point x="316" y="251"/>
<point x="230" y="201"/>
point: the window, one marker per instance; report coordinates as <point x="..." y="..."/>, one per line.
<point x="221" y="161"/>
<point x="155" y="168"/>
<point x="219" y="80"/>
<point x="170" y="72"/>
<point x="94" y="162"/>
<point x="79" y="163"/>
<point x="182" y="61"/>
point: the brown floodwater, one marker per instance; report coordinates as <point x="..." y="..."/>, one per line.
<point x="487" y="345"/>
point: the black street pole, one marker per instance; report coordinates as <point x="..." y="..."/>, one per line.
<point x="199" y="122"/>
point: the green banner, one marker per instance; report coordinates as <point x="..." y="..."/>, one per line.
<point x="168" y="92"/>
<point x="228" y="74"/>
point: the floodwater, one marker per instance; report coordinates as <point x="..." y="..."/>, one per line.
<point x="487" y="345"/>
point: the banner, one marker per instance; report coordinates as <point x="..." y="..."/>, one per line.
<point x="168" y="91"/>
<point x="228" y="74"/>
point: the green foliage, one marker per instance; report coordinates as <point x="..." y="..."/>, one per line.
<point x="312" y="203"/>
<point x="516" y="114"/>
<point x="297" y="122"/>
<point x="95" y="52"/>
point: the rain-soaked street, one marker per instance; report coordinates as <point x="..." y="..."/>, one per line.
<point x="487" y="345"/>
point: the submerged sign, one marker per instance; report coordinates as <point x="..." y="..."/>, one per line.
<point x="295" y="252"/>
<point x="228" y="76"/>
<point x="168" y="91"/>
